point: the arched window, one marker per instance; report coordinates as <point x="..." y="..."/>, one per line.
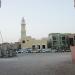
<point x="23" y="41"/>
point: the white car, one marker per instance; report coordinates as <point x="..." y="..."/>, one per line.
<point x="43" y="51"/>
<point x="20" y="51"/>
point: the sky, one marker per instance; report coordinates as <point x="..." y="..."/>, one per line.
<point x="42" y="17"/>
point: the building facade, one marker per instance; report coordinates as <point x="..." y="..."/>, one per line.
<point x="59" y="41"/>
<point x="72" y="39"/>
<point x="29" y="42"/>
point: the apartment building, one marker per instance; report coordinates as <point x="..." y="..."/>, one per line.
<point x="58" y="41"/>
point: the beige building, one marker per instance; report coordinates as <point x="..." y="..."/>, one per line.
<point x="29" y="42"/>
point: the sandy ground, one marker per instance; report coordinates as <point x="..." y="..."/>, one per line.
<point x="38" y="64"/>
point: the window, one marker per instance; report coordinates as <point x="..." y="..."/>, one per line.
<point x="43" y="46"/>
<point x="63" y="38"/>
<point x="23" y="41"/>
<point x="54" y="42"/>
<point x="63" y="42"/>
<point x="38" y="46"/>
<point x="71" y="41"/>
<point x="33" y="46"/>
<point x="54" y="38"/>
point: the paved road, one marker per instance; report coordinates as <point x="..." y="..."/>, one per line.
<point x="38" y="64"/>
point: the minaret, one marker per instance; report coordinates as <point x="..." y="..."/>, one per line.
<point x="23" y="33"/>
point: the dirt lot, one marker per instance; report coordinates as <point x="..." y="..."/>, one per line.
<point x="38" y="64"/>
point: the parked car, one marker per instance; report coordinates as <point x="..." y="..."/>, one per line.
<point x="29" y="50"/>
<point x="38" y="51"/>
<point x="19" y="51"/>
<point x="47" y="50"/>
<point x="43" y="51"/>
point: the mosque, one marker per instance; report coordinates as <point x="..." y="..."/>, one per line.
<point x="28" y="41"/>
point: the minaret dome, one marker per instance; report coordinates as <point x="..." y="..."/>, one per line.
<point x="23" y="21"/>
